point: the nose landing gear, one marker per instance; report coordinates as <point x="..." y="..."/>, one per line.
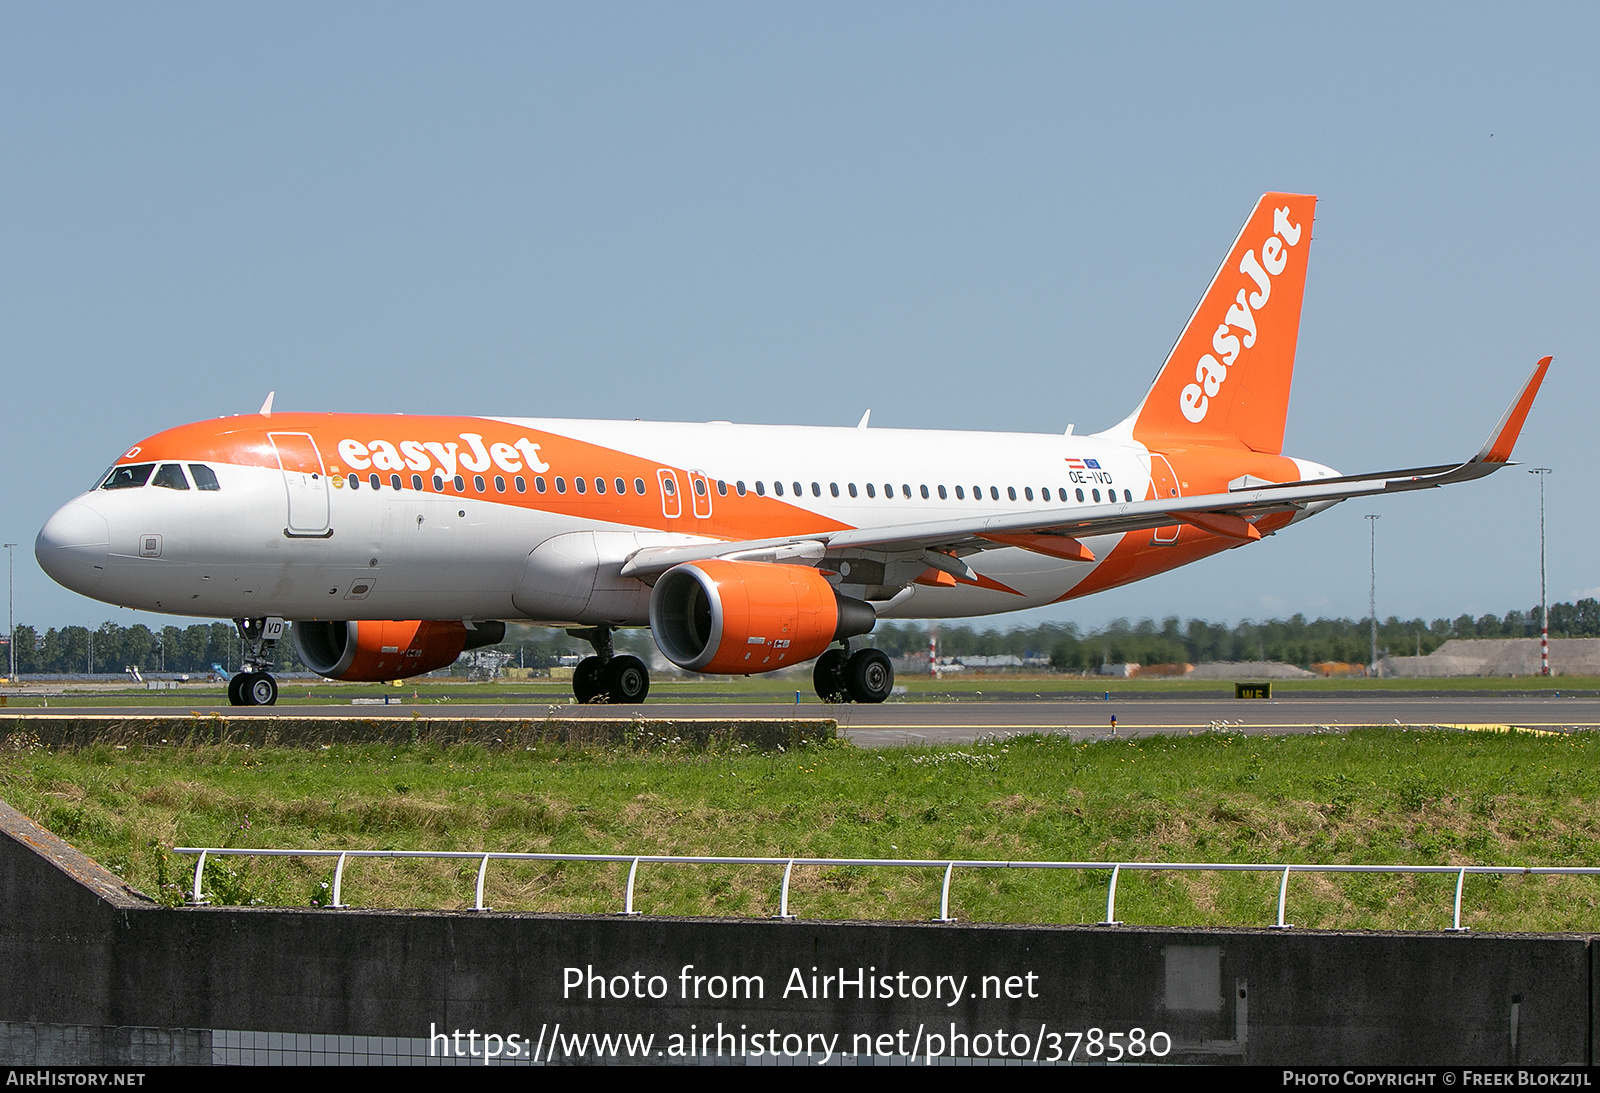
<point x="253" y="685"/>
<point x="252" y="689"/>
<point x="606" y="677"/>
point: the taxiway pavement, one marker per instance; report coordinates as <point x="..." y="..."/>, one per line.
<point x="955" y="722"/>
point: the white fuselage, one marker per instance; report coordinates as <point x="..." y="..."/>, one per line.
<point x="411" y="553"/>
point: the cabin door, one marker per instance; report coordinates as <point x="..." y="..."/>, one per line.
<point x="1164" y="486"/>
<point x="306" y="482"/>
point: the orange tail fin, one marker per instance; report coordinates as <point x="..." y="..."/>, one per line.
<point x="1226" y="382"/>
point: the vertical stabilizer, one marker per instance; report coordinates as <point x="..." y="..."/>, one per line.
<point x="1226" y="383"/>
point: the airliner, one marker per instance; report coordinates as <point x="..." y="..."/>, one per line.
<point x="384" y="546"/>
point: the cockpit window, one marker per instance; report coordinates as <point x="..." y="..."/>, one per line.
<point x="204" y="477"/>
<point x="170" y="477"/>
<point x="128" y="478"/>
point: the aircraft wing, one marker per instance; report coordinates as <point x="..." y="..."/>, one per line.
<point x="1056" y="532"/>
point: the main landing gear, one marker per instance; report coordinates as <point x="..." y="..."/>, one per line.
<point x="607" y="677"/>
<point x="863" y="676"/>
<point x="252" y="684"/>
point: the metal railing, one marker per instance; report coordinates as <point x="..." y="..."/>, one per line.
<point x="949" y="866"/>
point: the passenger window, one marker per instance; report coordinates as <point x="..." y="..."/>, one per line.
<point x="1027" y="492"/>
<point x="521" y="484"/>
<point x="798" y="492"/>
<point x="205" y="478"/>
<point x="638" y="486"/>
<point x="1127" y="495"/>
<point x="905" y="489"/>
<point x="622" y="486"/>
<point x="816" y="490"/>
<point x="355" y="481"/>
<point x="499" y="483"/>
<point x="739" y="487"/>
<point x="599" y="485"/>
<point x="460" y="484"/>
<point x="888" y="490"/>
<point x="870" y="491"/>
<point x="580" y="485"/>
<point x="942" y="495"/>
<point x="994" y="493"/>
<point x="170" y="477"/>
<point x="699" y="487"/>
<point x="833" y="488"/>
<point x="925" y="492"/>
<point x="394" y="482"/>
<point x="538" y="483"/>
<point x="561" y="484"/>
<point x="1097" y="495"/>
<point x="1011" y="492"/>
<point x="670" y="485"/>
<point x="852" y="489"/>
<point x="128" y="478"/>
<point x="777" y="488"/>
<point x="1080" y="495"/>
<point x="961" y="494"/>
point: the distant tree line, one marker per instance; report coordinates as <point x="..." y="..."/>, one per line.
<point x="1294" y="640"/>
<point x="112" y="648"/>
<point x="77" y="650"/>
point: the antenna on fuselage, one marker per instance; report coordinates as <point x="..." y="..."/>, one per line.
<point x="862" y="424"/>
<point x="266" y="407"/>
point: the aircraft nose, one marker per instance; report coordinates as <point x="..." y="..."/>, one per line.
<point x="74" y="546"/>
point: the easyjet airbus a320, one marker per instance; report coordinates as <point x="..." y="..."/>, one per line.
<point x="396" y="542"/>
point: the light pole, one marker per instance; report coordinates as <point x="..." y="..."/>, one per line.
<point x="11" y="609"/>
<point x="1372" y="584"/>
<point x="1544" y="607"/>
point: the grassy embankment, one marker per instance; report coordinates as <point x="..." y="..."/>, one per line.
<point x="1372" y="796"/>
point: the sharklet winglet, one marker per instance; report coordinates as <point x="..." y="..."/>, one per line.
<point x="1497" y="449"/>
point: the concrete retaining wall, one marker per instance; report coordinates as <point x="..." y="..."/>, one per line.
<point x="76" y="730"/>
<point x="81" y="949"/>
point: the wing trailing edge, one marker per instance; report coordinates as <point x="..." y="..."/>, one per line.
<point x="1230" y="515"/>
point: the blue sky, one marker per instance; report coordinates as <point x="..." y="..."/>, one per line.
<point x="962" y="216"/>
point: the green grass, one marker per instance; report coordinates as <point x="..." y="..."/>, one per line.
<point x="965" y="686"/>
<point x="1371" y="796"/>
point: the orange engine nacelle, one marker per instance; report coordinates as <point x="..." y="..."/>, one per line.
<point x="739" y="618"/>
<point x="375" y="652"/>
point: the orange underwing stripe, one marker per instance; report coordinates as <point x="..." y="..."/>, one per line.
<point x="1224" y="524"/>
<point x="1054" y="546"/>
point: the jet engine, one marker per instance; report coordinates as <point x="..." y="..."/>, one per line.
<point x="740" y="618"/>
<point x="376" y="652"/>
